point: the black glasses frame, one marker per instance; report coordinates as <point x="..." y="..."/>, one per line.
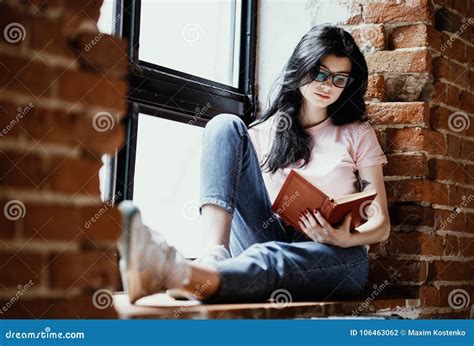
<point x="314" y="73"/>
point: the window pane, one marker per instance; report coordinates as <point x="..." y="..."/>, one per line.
<point x="106" y="19"/>
<point x="198" y="37"/>
<point x="166" y="182"/>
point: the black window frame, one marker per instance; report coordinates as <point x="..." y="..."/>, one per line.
<point x="152" y="87"/>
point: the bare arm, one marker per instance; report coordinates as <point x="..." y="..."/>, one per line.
<point x="377" y="227"/>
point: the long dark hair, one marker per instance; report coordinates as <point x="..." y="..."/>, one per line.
<point x="293" y="143"/>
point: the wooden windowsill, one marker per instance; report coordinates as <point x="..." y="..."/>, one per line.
<point x="161" y="306"/>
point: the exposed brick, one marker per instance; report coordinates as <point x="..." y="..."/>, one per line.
<point x="452" y="47"/>
<point x="392" y="12"/>
<point x="416" y="139"/>
<point x="370" y="36"/>
<point x="451" y="245"/>
<point x="91" y="47"/>
<point x="440" y="93"/>
<point x="397" y="270"/>
<point x="22" y="171"/>
<point x="55" y="308"/>
<point x="450" y="220"/>
<point x="446" y="170"/>
<point x="398" y="113"/>
<point x="85" y="269"/>
<point x="406" y="165"/>
<point x="376" y="88"/>
<point x="90" y="89"/>
<point x="75" y="176"/>
<point x="10" y="120"/>
<point x="456" y="122"/>
<point x="416" y="215"/>
<point x="432" y="296"/>
<point x="19" y="267"/>
<point x="417" y="190"/>
<point x="56" y="222"/>
<point x="466" y="247"/>
<point x="7" y="223"/>
<point x="408" y="36"/>
<point x="44" y="126"/>
<point x="450" y="270"/>
<point x="455" y="73"/>
<point x="47" y="36"/>
<point x="415" y="243"/>
<point x="469" y="227"/>
<point x="454" y="144"/>
<point x="399" y="61"/>
<point x="469" y="173"/>
<point x="17" y="34"/>
<point x="467" y="150"/>
<point x="446" y="20"/>
<point x="25" y="76"/>
<point x="457" y="194"/>
<point x="101" y="223"/>
<point x="467" y="102"/>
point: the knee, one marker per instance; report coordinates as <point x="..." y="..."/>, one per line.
<point x="225" y="122"/>
<point x="269" y="253"/>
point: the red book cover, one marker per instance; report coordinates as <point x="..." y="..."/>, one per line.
<point x="297" y="194"/>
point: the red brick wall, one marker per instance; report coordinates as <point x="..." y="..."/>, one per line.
<point x="62" y="92"/>
<point x="421" y="102"/>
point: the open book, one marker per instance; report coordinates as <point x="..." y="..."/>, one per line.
<point x="297" y="194"/>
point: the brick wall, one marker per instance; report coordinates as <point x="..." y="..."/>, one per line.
<point x="62" y="90"/>
<point x="420" y="100"/>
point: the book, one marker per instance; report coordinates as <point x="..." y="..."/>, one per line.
<point x="297" y="194"/>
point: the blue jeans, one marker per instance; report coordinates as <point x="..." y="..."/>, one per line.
<point x="267" y="255"/>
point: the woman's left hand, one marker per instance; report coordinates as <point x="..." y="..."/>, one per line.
<point x="318" y="229"/>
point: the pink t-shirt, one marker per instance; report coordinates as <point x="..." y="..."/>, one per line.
<point x="337" y="153"/>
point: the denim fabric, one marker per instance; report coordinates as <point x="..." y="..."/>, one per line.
<point x="267" y="254"/>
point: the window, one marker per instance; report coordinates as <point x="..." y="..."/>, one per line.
<point x="202" y="37"/>
<point x="190" y="60"/>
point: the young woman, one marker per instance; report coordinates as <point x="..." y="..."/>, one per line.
<point x="314" y="125"/>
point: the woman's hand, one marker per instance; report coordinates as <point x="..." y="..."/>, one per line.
<point x="318" y="229"/>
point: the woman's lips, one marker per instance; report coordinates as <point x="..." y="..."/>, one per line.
<point x="322" y="96"/>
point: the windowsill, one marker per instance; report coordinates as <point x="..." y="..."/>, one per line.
<point x="161" y="306"/>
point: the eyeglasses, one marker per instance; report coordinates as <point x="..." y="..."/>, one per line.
<point x="338" y="80"/>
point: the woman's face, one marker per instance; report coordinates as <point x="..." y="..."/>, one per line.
<point x="314" y="91"/>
